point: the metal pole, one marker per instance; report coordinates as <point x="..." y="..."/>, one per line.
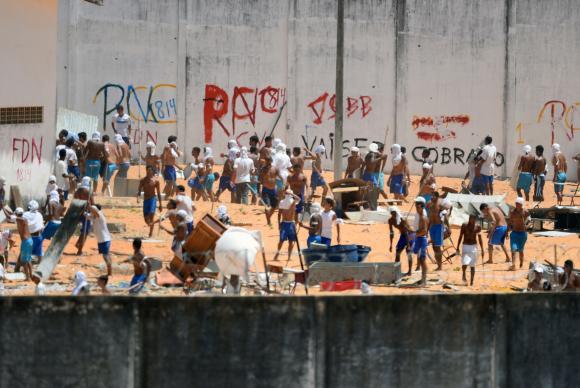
<point x="339" y="91"/>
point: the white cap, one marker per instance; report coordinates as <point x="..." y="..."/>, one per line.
<point x="2" y="181"/>
<point x="538" y="269"/>
<point x="96" y="136"/>
<point x="33" y="205"/>
<point x="555" y="148"/>
<point x="374" y="147"/>
<point x="526" y="149"/>
<point x="426" y="166"/>
<point x="420" y="200"/>
<point x="86" y="182"/>
<point x="51" y="178"/>
<point x="446" y="204"/>
<point x="319" y="149"/>
<point x="150" y="144"/>
<point x="354" y="149"/>
<point x="520" y="200"/>
<point x="19" y="211"/>
<point x="315" y="208"/>
<point x="182" y="213"/>
<point x="393" y="209"/>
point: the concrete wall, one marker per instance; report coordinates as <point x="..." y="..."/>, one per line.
<point x="435" y="341"/>
<point x="439" y="74"/>
<point x="28" y="78"/>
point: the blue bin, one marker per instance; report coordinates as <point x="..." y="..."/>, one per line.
<point x="337" y="254"/>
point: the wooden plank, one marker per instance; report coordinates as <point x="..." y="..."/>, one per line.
<point x="345" y="189"/>
<point x="15" y="198"/>
<point x="61" y="238"/>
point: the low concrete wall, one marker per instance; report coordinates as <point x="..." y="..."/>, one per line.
<point x="434" y="341"/>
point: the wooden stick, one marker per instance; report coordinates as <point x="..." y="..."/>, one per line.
<point x="266" y="269"/>
<point x="301" y="264"/>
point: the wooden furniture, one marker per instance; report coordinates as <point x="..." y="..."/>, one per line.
<point x="574" y="193"/>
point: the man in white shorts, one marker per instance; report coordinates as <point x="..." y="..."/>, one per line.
<point x="470" y="232"/>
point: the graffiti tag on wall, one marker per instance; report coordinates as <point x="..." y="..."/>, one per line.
<point x="153" y="103"/>
<point x="438" y="128"/>
<point x="355" y="107"/>
<point x="243" y="105"/>
<point x="25" y="153"/>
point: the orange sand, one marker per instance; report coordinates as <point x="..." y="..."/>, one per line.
<point x="491" y="278"/>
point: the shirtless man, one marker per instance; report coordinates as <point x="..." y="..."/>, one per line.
<point x="517" y="224"/>
<point x="436" y="228"/>
<point x="25" y="242"/>
<point x="317" y="179"/>
<point x="406" y="237"/>
<point x="372" y="166"/>
<point x="420" y="246"/>
<point x="266" y="150"/>
<point x="268" y="177"/>
<point x="470" y="233"/>
<point x="286" y="222"/>
<point x="150" y="186"/>
<point x="141" y="267"/>
<point x="297" y="182"/>
<point x="396" y="179"/>
<point x="55" y="210"/>
<point x="169" y="164"/>
<point x="226" y="182"/>
<point x="427" y="184"/>
<point x="196" y="155"/>
<point x="497" y="231"/>
<point x="426" y="158"/>
<point x="315" y="225"/>
<point x="577" y="159"/>
<point x="297" y="158"/>
<point x="179" y="233"/>
<point x="569" y="281"/>
<point x="539" y="173"/>
<point x="83" y="192"/>
<point x="526" y="167"/>
<point x="94" y="154"/>
<point x="111" y="156"/>
<point x="560" y="170"/>
<point x="354" y="164"/>
<point x="123" y="156"/>
<point x="150" y="158"/>
<point x="79" y="148"/>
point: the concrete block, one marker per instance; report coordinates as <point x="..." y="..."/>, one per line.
<point x="372" y="273"/>
<point x="116" y="227"/>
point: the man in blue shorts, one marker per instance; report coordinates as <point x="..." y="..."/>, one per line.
<point x="102" y="234"/>
<point x="406" y="238"/>
<point x="526" y="167"/>
<point x="396" y="179"/>
<point x="169" y="161"/>
<point x="420" y="246"/>
<point x="150" y="187"/>
<point x="518" y="236"/>
<point x="286" y="216"/>
<point x="436" y="228"/>
<point x="497" y="230"/>
<point x="268" y="177"/>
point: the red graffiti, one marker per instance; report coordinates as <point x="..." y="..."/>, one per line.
<point x="244" y="106"/>
<point x="140" y="133"/>
<point x="353" y="105"/>
<point x="24" y="151"/>
<point x="437" y="128"/>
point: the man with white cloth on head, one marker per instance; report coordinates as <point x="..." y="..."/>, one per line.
<point x="396" y="179"/>
<point x="406" y="238"/>
<point x="94" y="153"/>
<point x="281" y="162"/>
<point x="244" y="167"/>
<point x="354" y="164"/>
<point x="560" y="170"/>
<point x="526" y="167"/>
<point x="35" y="227"/>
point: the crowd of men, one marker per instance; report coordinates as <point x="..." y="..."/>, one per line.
<point x="269" y="174"/>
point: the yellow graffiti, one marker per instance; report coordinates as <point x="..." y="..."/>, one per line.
<point x="157" y="86"/>
<point x="519" y="129"/>
<point x="569" y="117"/>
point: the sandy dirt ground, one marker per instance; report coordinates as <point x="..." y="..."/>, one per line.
<point x="489" y="278"/>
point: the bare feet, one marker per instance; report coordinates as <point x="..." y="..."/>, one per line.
<point x="512" y="268"/>
<point x="489" y="262"/>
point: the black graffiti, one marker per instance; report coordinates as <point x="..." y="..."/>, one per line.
<point x="445" y="155"/>
<point x="360" y="142"/>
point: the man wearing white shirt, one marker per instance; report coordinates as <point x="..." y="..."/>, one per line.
<point x="487" y="165"/>
<point x="244" y="167"/>
<point x="185" y="203"/>
<point x="122" y="124"/>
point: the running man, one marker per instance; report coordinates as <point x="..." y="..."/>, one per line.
<point x="286" y="222"/>
<point x="470" y="233"/>
<point x="517" y="224"/>
<point x="226" y="181"/>
<point x="406" y="237"/>
<point x="354" y="164"/>
<point x="420" y="245"/>
<point x="111" y="156"/>
<point x="560" y="170"/>
<point x="185" y="203"/>
<point x="150" y="186"/>
<point x="539" y="173"/>
<point x="497" y="231"/>
<point x="25" y="242"/>
<point x="526" y="168"/>
<point x="150" y="158"/>
<point x="141" y="267"/>
<point x="94" y="154"/>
